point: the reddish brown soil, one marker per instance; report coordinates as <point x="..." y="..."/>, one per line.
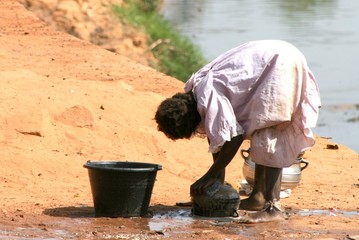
<point x="65" y="101"/>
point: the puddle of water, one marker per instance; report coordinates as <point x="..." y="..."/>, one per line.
<point x="166" y="222"/>
<point x="19" y="233"/>
<point x="329" y="212"/>
<point x="175" y="218"/>
<point x="184" y="218"/>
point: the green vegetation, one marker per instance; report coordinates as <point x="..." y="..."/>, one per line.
<point x="177" y="56"/>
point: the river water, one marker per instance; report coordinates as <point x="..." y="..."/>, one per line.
<point x="325" y="31"/>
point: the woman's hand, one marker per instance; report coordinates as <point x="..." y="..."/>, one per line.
<point x="201" y="185"/>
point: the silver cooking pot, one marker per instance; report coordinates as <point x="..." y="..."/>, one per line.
<point x="291" y="176"/>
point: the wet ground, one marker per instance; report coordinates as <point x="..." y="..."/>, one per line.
<point x="174" y="223"/>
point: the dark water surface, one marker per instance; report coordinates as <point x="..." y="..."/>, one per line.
<point x="325" y="31"/>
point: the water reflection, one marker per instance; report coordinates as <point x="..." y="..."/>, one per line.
<point x="324" y="30"/>
<point x="307" y="6"/>
<point x="299" y="17"/>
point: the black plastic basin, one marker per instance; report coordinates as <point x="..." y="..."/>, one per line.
<point x="121" y="189"/>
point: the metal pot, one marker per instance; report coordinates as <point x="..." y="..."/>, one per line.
<point x="291" y="176"/>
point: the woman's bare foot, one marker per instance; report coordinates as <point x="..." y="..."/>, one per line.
<point x="255" y="202"/>
<point x="271" y="213"/>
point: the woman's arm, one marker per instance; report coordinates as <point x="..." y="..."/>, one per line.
<point x="222" y="159"/>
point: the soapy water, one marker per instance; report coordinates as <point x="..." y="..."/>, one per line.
<point x="166" y="221"/>
<point x="184" y="217"/>
<point x="169" y="219"/>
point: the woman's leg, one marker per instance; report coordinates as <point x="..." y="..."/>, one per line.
<point x="256" y="200"/>
<point x="273" y="184"/>
<point x="270" y="210"/>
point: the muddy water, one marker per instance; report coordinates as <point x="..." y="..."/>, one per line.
<point x="325" y="31"/>
<point x="173" y="223"/>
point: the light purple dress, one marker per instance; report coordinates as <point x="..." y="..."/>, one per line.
<point x="263" y="90"/>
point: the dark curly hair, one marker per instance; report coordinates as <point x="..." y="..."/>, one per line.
<point x="177" y="117"/>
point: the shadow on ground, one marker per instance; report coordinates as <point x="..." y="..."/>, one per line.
<point x="71" y="212"/>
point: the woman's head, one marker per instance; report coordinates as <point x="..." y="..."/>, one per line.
<point x="177" y="117"/>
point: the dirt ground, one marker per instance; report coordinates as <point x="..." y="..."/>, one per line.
<point x="65" y="101"/>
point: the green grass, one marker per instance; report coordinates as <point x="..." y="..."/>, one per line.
<point x="177" y="56"/>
